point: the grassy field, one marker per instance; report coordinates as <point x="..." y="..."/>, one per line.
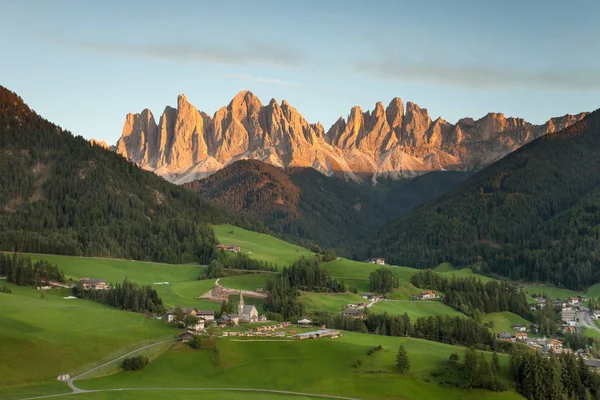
<point x="317" y="366"/>
<point x="40" y="339"/>
<point x="332" y="302"/>
<point x="552" y="291"/>
<point x="503" y="321"/>
<point x="260" y="246"/>
<point x="414" y="309"/>
<point x="185" y="395"/>
<point x="246" y="282"/>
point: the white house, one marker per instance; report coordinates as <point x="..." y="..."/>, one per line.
<point x="207" y="315"/>
<point x="379" y="261"/>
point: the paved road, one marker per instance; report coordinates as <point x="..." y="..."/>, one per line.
<point x="322" y="396"/>
<point x="586" y="320"/>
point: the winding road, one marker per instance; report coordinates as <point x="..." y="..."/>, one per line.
<point x="586" y="321"/>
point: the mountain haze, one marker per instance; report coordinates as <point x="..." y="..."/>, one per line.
<point x="396" y="141"/>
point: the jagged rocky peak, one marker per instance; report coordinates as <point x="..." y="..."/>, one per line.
<point x="398" y="141"/>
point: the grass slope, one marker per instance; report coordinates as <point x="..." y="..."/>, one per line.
<point x="41" y="339"/>
<point x="260" y="246"/>
<point x="414" y="309"/>
<point x="503" y="321"/>
<point x="332" y="302"/>
<point x="317" y="366"/>
<point x="246" y="282"/>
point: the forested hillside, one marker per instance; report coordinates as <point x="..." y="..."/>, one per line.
<point x="534" y="215"/>
<point x="305" y="205"/>
<point x="59" y="194"/>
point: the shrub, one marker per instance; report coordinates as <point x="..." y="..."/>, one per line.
<point x="135" y="363"/>
<point x="5" y="289"/>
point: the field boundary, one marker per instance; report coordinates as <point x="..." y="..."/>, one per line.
<point x="81" y="391"/>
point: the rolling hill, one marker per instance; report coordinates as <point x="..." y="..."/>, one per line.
<point x="532" y="216"/>
<point x="304" y="205"/>
<point x="62" y="195"/>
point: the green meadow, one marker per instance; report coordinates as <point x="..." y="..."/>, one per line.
<point x="414" y="309"/>
<point x="551" y="291"/>
<point x="40" y="339"/>
<point x="261" y="246"/>
<point x="326" y="366"/>
<point x="332" y="302"/>
<point x="246" y="282"/>
<point x="503" y="321"/>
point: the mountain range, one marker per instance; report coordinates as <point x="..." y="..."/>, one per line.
<point x="393" y="141"/>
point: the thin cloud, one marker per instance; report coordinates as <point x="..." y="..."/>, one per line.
<point x="480" y="76"/>
<point x="242" y="53"/>
<point x="269" y="81"/>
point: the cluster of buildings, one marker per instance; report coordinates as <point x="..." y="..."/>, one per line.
<point x="231" y="249"/>
<point x="372" y="297"/>
<point x="204" y="317"/>
<point x="426" y="295"/>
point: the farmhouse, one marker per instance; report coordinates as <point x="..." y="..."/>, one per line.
<point x="98" y="284"/>
<point x="554" y="344"/>
<point x="379" y="261"/>
<point x="573" y="301"/>
<point x="521" y="335"/>
<point x="185" y="337"/>
<point x="207" y="315"/>
<point x="222" y="247"/>
<point x="186" y="311"/>
<point x="247" y="312"/>
<point x="426" y="295"/>
<point x="353" y="312"/>
<point x="229" y="320"/>
<point x="519" y="328"/>
<point x="233" y="249"/>
<point x="596" y="314"/>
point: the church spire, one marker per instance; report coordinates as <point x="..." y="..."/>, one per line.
<point x="241" y="305"/>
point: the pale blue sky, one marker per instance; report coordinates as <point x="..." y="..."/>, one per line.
<point x="84" y="65"/>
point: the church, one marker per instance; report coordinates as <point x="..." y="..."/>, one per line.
<point x="246" y="312"/>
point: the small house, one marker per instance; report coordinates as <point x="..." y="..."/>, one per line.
<point x="207" y="315"/>
<point x="305" y="322"/>
<point x="353" y="312"/>
<point x="596" y="314"/>
<point x="221" y="247"/>
<point x="262" y="318"/>
<point x="97" y="284"/>
<point x="519" y="328"/>
<point x="378" y="261"/>
<point x="505" y="336"/>
<point x="521" y="336"/>
<point x="186" y="311"/>
<point x="554" y="344"/>
<point x="185" y="337"/>
<point x="573" y="301"/>
<point x="233" y="249"/>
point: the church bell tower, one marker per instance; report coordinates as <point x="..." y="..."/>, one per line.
<point x="241" y="305"/>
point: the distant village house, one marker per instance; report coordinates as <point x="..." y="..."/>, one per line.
<point x="426" y="295"/>
<point x="98" y="284"/>
<point x="378" y="261"/>
<point x="354" y="313"/>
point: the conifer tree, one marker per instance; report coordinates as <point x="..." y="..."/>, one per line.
<point x="402" y="361"/>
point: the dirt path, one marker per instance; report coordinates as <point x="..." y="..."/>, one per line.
<point x="220" y="293"/>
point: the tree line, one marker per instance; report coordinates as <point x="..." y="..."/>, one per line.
<point x="470" y="294"/>
<point x="382" y="280"/>
<point x="20" y="270"/>
<point x="304" y="274"/>
<point x="444" y="329"/>
<point x="125" y="296"/>
<point x="542" y="377"/>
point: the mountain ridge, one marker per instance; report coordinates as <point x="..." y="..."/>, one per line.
<point x="394" y="141"/>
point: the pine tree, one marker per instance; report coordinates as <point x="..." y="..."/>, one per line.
<point x="402" y="361"/>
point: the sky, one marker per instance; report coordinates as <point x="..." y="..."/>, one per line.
<point x="85" y="64"/>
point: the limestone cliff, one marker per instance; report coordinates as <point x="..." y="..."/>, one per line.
<point x="187" y="144"/>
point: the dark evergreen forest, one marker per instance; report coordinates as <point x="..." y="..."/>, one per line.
<point x="61" y="195"/>
<point x="532" y="216"/>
